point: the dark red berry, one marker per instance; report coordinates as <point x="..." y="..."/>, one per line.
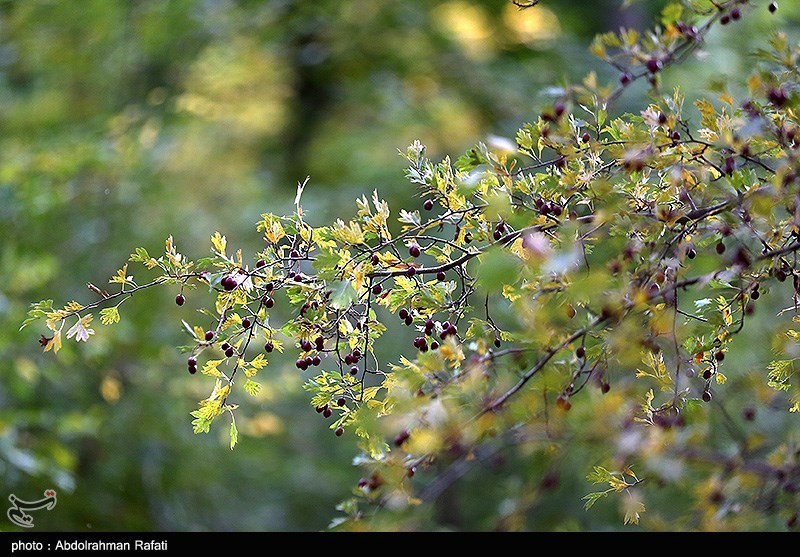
<point x="434" y="345"/>
<point x="229" y="352"/>
<point x="403" y="313"/>
<point x="376" y="289"/>
<point x="719" y="355"/>
<point x="625" y="78"/>
<point x="298" y="278"/>
<point x="209" y="335"/>
<point x="755" y="295"/>
<point x="676" y="135"/>
<point x="773" y="7"/>
<point x="736" y="13"/>
<point x="720" y="247"/>
<point x="654" y="65"/>
<point x="294" y="254"/>
<point x="440" y="276"/>
<point x="354" y="370"/>
<point x="724" y="20"/>
<point x="409" y="320"/>
<point x="777" y="96"/>
<point x="707" y="396"/>
<point x="269" y="347"/>
<point x="586" y="137"/>
<point x="260" y="263"/>
<point x="604" y="387"/>
<point x="414" y="251"/>
<point x="691" y="253"/>
<point x="780" y="274"/>
<point x="327" y="412"/>
<point x="316" y="360"/>
<point x="246" y="323"/>
<point x="497" y="234"/>
<point x="749" y="413"/>
<point x="410" y="272"/>
<point x="497" y="342"/>
<point x="662" y="118"/>
<point x="707" y="374"/>
<point x="339" y="431"/>
<point x="428" y="205"/>
<point x="269" y="302"/>
<point x="356" y="354"/>
<point x="224" y="346"/>
<point x="180" y="300"/>
<point x="341" y="401"/>
<point x="401" y="438"/>
<point x="580" y="352"/>
<point x="228" y="283"/>
<point x="269" y="287"/>
<point x="375" y="259"/>
<point x="192" y="361"/>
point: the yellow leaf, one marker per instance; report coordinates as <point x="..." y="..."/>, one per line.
<point x="55" y="342"/>
<point x="219" y="242"/>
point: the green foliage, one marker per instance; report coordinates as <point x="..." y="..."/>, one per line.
<point x="575" y="298"/>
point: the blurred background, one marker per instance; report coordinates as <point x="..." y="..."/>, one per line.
<point x="124" y="122"/>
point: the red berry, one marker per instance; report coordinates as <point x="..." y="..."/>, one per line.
<point x="354" y="370"/>
<point x="316" y="360"/>
<point x="269" y="347"/>
<point x="192" y="361"/>
<point x="179" y="299"/>
<point x="604" y="387"/>
<point x="401" y="438"/>
<point x="224" y="346"/>
<point x="246" y="323"/>
<point x="269" y="302"/>
<point x="654" y="65"/>
<point x="376" y="289"/>
<point x="414" y="251"/>
<point x="707" y="396"/>
<point x="586" y="137"/>
<point x="209" y="335"/>
<point x="580" y="352"/>
<point x="410" y="272"/>
<point x="260" y="263"/>
<point x="497" y="235"/>
<point x="269" y="287"/>
<point x="409" y="320"/>
<point x="327" y="412"/>
<point x="720" y="247"/>
<point x="773" y="7"/>
<point x="724" y="20"/>
<point x="497" y="342"/>
<point x="341" y="401"/>
<point x="298" y="278"/>
<point x="440" y="276"/>
<point x="625" y="78"/>
<point x="428" y="205"/>
<point x="719" y="355"/>
<point x="662" y="118"/>
<point x="229" y="352"/>
<point x="339" y="431"/>
<point x="691" y="254"/>
<point x="375" y="259"/>
<point x="736" y="13"/>
<point x="403" y="313"/>
<point x="434" y="345"/>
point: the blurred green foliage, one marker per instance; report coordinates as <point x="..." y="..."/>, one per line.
<point x="125" y="122"/>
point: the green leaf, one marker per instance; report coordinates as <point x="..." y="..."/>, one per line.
<point x="592" y="498"/>
<point x="252" y="387"/>
<point x="109" y="316"/>
<point x="343" y="294"/>
<point x="37" y="311"/>
<point x="234" y="434"/>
